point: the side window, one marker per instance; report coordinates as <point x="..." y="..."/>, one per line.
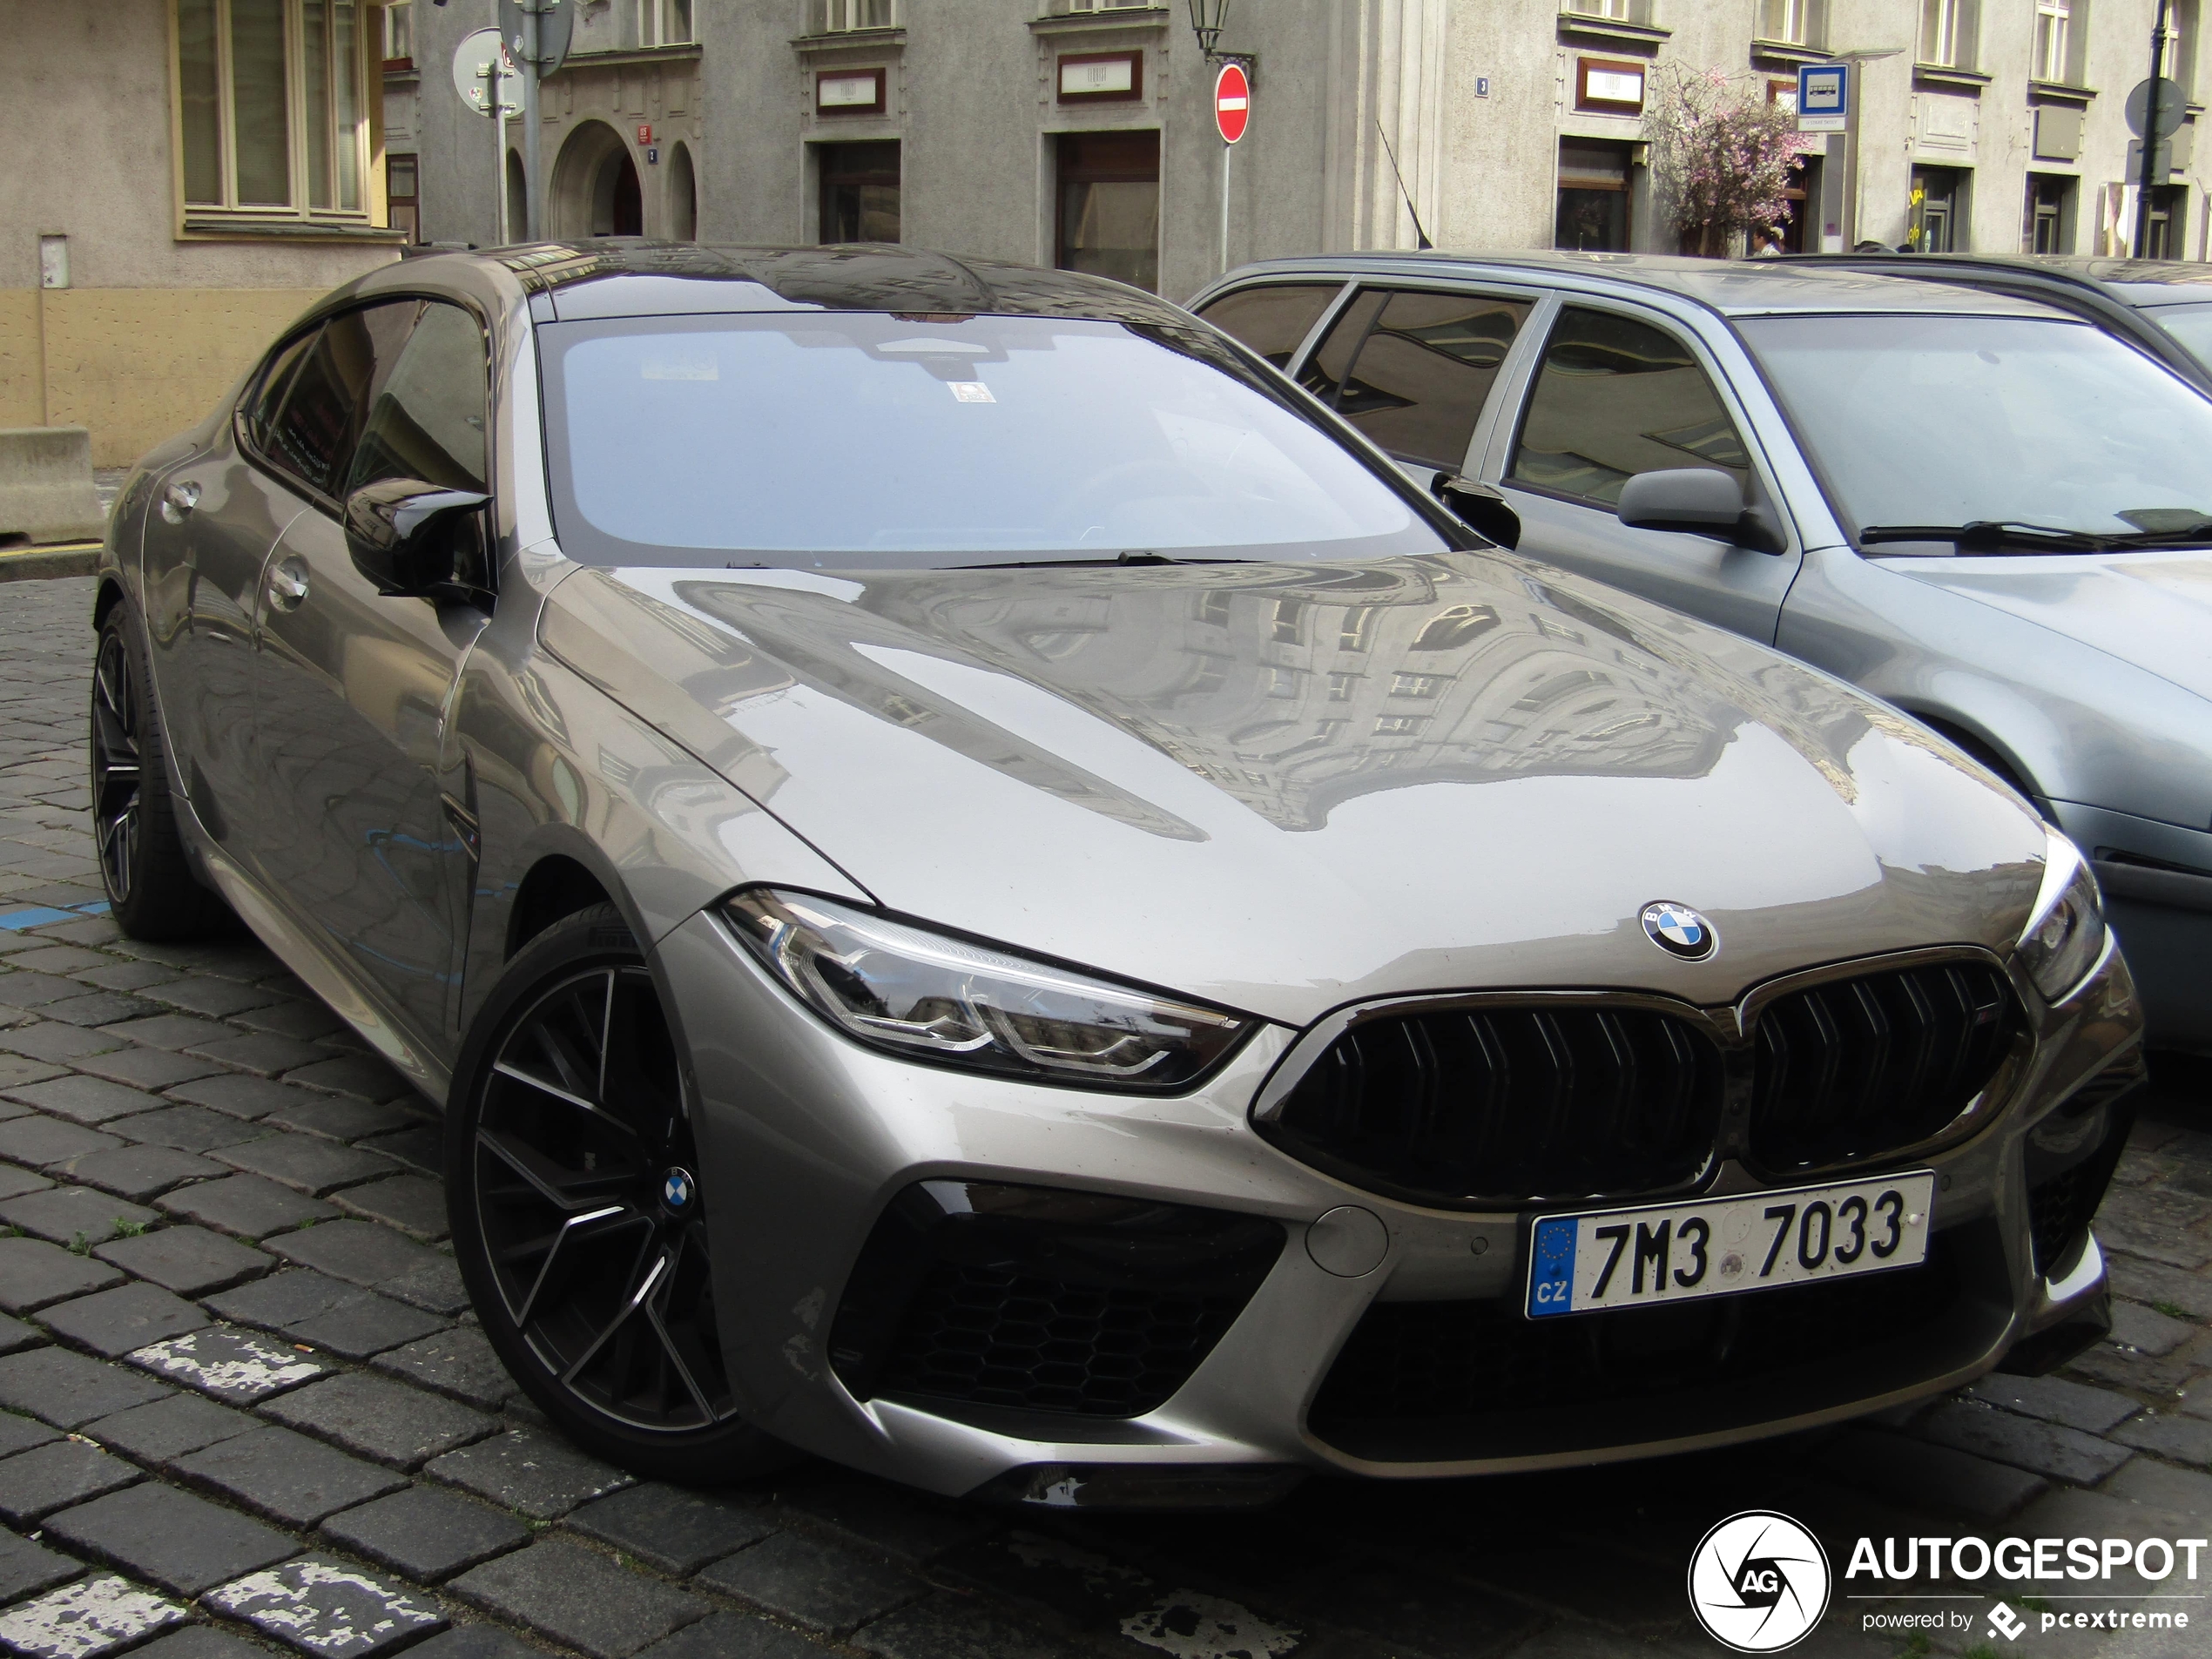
<point x="1413" y="370"/>
<point x="312" y="432"/>
<point x="428" y="419"/>
<point x="1273" y="321"/>
<point x="268" y="391"/>
<point x="1616" y="397"/>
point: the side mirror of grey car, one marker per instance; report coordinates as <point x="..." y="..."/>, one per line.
<point x="1481" y="507"/>
<point x="1700" y="501"/>
<point x="401" y="531"/>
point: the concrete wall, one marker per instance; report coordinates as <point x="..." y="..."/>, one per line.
<point x="154" y="326"/>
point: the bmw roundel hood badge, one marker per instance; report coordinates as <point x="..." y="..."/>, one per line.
<point x="1680" y="931"/>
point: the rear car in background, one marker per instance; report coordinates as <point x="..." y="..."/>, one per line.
<point x="1980" y="507"/>
<point x="993" y="895"/>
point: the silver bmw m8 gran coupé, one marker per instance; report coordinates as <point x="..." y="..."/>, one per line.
<point x="992" y="895"/>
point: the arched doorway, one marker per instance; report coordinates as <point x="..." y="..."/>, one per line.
<point x="595" y="190"/>
<point x="518" y="206"/>
<point x="683" y="196"/>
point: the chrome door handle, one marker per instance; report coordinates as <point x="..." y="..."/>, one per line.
<point x="289" y="583"/>
<point x="178" y="500"/>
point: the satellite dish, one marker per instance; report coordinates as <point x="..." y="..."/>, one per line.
<point x="556" y="22"/>
<point x="472" y="62"/>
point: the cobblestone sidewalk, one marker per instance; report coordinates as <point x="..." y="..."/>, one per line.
<point x="244" y="1409"/>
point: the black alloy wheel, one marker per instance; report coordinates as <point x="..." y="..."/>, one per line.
<point x="578" y="1215"/>
<point x="116" y="774"/>
<point x="151" y="890"/>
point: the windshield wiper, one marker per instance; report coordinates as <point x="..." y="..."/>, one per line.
<point x="1134" y="555"/>
<point x="1990" y="535"/>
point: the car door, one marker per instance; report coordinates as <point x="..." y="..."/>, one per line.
<point x="1413" y="368"/>
<point x="354" y="686"/>
<point x="1613" y="396"/>
<point x="215" y="515"/>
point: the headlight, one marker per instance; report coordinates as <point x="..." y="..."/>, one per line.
<point x="2067" y="934"/>
<point x="929" y="997"/>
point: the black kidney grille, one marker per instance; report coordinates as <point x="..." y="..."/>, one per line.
<point x="1859" y="1068"/>
<point x="1509" y="1104"/>
<point x="997" y="1337"/>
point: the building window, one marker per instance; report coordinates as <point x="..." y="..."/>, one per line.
<point x="2178" y="62"/>
<point x="860" y="192"/>
<point x="2053" y="50"/>
<point x="1939" y="221"/>
<point x="1794" y="23"/>
<point x="1948" y="32"/>
<point x="1073" y="8"/>
<point x="398" y="34"/>
<point x="272" y="100"/>
<point x="401" y="189"/>
<point x="2049" y="228"/>
<point x="1593" y="216"/>
<point x="1635" y="11"/>
<point x="843" y="16"/>
<point x="1110" y="206"/>
<point x="656" y="22"/>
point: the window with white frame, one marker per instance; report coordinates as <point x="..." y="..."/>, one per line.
<point x="1949" y="32"/>
<point x="1068" y="8"/>
<point x="2177" y="62"/>
<point x="399" y="31"/>
<point x="2054" y="24"/>
<point x="1794" y="23"/>
<point x="843" y="16"/>
<point x="1635" y="11"/>
<point x="658" y="23"/>
<point x="272" y="102"/>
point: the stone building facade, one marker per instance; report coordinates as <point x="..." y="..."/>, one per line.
<point x="189" y="174"/>
<point x="1080" y="132"/>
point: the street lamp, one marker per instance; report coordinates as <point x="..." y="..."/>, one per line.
<point x="1207" y="19"/>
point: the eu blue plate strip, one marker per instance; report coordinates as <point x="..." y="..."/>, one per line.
<point x="1551" y="1268"/>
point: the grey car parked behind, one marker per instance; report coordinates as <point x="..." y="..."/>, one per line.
<point x="1975" y="505"/>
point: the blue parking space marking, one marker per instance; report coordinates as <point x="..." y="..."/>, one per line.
<point x="1551" y="1267"/>
<point x="44" y="915"/>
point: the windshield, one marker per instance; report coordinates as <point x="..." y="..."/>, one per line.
<point x="869" y="440"/>
<point x="2191" y="325"/>
<point x="1955" y="421"/>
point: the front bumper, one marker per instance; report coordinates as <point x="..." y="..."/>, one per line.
<point x="806" y="1138"/>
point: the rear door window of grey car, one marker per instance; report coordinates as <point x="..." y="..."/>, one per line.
<point x="1273" y="319"/>
<point x="1413" y="368"/>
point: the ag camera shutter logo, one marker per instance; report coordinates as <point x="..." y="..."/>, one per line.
<point x="1758" y="1582"/>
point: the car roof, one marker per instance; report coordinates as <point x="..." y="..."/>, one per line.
<point x="1732" y="287"/>
<point x="2138" y="282"/>
<point x="632" y="277"/>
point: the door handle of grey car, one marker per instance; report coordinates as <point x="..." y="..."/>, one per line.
<point x="289" y="583"/>
<point x="178" y="500"/>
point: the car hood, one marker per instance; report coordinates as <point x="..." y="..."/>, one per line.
<point x="1284" y="787"/>
<point x="2151" y="609"/>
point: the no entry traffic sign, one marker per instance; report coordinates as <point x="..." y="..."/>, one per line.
<point x="1232" y="102"/>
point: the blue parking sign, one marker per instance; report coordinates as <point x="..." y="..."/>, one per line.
<point x="1823" y="92"/>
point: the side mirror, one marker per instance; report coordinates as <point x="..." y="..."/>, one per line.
<point x="1483" y="508"/>
<point x="401" y="532"/>
<point x="1700" y="501"/>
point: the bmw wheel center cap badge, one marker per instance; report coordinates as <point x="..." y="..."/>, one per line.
<point x="675" y="1191"/>
<point x="1680" y="931"/>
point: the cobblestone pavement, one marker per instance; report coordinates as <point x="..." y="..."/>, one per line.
<point x="243" y="1407"/>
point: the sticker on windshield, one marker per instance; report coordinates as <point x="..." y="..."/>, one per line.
<point x="971" y="391"/>
<point x="680" y="365"/>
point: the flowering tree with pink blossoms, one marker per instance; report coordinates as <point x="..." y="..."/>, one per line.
<point x="1721" y="155"/>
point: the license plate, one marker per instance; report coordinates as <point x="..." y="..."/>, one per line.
<point x="1757" y="1241"/>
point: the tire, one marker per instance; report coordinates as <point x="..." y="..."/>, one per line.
<point x="577" y="1215"/>
<point x="151" y="891"/>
